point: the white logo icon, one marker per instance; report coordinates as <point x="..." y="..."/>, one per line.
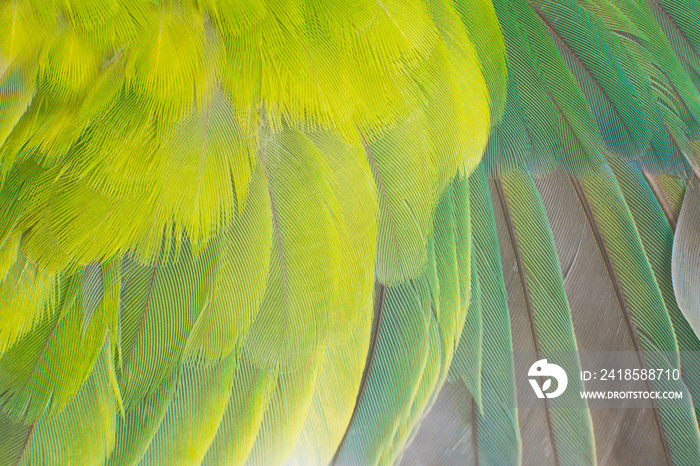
<point x="542" y="369"/>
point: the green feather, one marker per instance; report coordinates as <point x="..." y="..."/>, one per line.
<point x="198" y="199"/>
<point x="135" y="430"/>
<point x="84" y="429"/>
<point x="32" y="371"/>
<point x="464" y="427"/>
<point x="193" y="417"/>
<point x="250" y="396"/>
<point x="607" y="88"/>
<point x="17" y="88"/>
<point x="334" y="396"/>
<point x="159" y="306"/>
<point x="398" y="358"/>
<point x="541" y="319"/>
<point x="240" y="279"/>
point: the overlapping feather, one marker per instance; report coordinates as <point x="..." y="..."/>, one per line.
<point x="196" y="192"/>
<point x="611" y="220"/>
<point x="199" y="199"/>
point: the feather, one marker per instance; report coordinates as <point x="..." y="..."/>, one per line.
<point x="657" y="239"/>
<point x="396" y="364"/>
<point x="305" y="280"/>
<point x="467" y="362"/>
<point x="17" y="88"/>
<point x="415" y="334"/>
<point x="32" y="371"/>
<point x="555" y="111"/>
<point x="685" y="262"/>
<point x="333" y="400"/>
<point x="588" y="268"/>
<point x="450" y="294"/>
<point x="196" y="408"/>
<point x="645" y="16"/>
<point x="625" y="41"/>
<point x="676" y="19"/>
<point x="28" y="294"/>
<point x="446" y="435"/>
<point x="14" y="439"/>
<point x="157" y="315"/>
<point x="481" y="23"/>
<point x="25" y="32"/>
<point x="409" y="183"/>
<point x="240" y="280"/>
<point x="615" y="106"/>
<point x="462" y="428"/>
<point x="173" y="85"/>
<point x="284" y="416"/>
<point x="260" y="233"/>
<point x="250" y="396"/>
<point x="84" y="429"/>
<point x="497" y="435"/>
<point x="540" y="320"/>
<point x="135" y="430"/>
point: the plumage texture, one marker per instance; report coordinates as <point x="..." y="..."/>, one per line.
<point x="262" y="232"/>
<point x="611" y="221"/>
<point x="182" y="204"/>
